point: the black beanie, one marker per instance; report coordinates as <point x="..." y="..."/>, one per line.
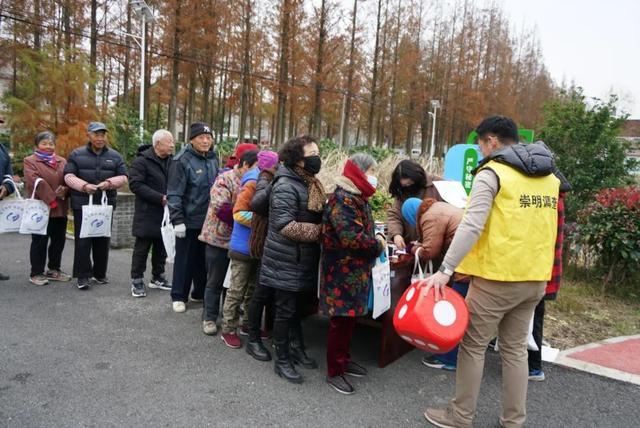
<point x="199" y="128"/>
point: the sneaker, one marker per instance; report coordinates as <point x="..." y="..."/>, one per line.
<point x="209" y="328"/>
<point x="432" y="362"/>
<point x="449" y="367"/>
<point x="355" y="370"/>
<point x="57" y="275"/>
<point x="179" y="307"/>
<point x="341" y="385"/>
<point x="160" y="283"/>
<point x="244" y="331"/>
<point x="4" y="277"/>
<point x="84" y="283"/>
<point x="195" y="299"/>
<point x="232" y="340"/>
<point x="104" y="280"/>
<point x="536" y="375"/>
<point x="137" y="288"/>
<point x="443" y="418"/>
<point x="39" y="280"/>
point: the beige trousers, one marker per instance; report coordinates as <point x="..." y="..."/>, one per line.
<point x="505" y="308"/>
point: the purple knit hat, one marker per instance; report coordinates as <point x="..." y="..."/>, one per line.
<point x="267" y="159"/>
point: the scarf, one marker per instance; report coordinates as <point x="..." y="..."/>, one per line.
<point x="357" y="177"/>
<point x="48" y="158"/>
<point x="316" y="190"/>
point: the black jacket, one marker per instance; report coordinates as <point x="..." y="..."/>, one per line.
<point x="5" y="169"/>
<point x="191" y="176"/>
<point x="94" y="168"/>
<point x="287" y="264"/>
<point x="148" y="181"/>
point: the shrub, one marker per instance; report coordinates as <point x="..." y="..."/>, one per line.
<point x="610" y="226"/>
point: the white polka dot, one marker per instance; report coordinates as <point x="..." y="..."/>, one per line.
<point x="410" y="294"/>
<point x="432" y="346"/>
<point x="407" y="338"/>
<point x="403" y="311"/>
<point x="444" y="313"/>
<point x="420" y="342"/>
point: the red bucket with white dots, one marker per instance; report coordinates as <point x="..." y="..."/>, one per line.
<point x="435" y="327"/>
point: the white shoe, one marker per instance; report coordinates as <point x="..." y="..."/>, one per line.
<point x="209" y="328"/>
<point x="179" y="307"/>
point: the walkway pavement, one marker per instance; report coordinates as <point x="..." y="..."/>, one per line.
<point x="617" y="358"/>
<point x="101" y="358"/>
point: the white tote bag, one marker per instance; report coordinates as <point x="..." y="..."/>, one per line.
<point x="381" y="279"/>
<point x="418" y="272"/>
<point x="96" y="219"/>
<point x="227" y="277"/>
<point x="11" y="210"/>
<point x="35" y="217"/>
<point x="168" y="235"/>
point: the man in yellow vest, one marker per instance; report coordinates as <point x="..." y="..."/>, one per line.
<point x="505" y="242"/>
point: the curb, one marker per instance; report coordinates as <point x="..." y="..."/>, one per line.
<point x="564" y="359"/>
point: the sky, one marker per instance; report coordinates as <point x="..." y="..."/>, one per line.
<point x="596" y="44"/>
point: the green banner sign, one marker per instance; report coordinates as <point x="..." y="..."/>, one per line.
<point x="470" y="161"/>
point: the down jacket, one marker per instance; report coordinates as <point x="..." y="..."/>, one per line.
<point x="148" y="181"/>
<point x="288" y="264"/>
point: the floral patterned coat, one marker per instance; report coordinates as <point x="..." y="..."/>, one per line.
<point x="349" y="250"/>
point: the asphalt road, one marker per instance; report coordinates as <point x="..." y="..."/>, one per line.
<point x="101" y="358"/>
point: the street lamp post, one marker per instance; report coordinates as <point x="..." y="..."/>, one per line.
<point x="435" y="104"/>
<point x="143" y="10"/>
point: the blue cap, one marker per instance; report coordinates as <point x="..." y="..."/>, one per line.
<point x="97" y="126"/>
<point x="410" y="210"/>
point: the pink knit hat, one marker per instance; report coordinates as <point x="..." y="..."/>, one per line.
<point x="267" y="159"/>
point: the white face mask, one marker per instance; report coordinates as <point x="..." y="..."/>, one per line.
<point x="373" y="180"/>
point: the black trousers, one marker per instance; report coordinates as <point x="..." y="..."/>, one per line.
<point x="535" y="357"/>
<point x="141" y="254"/>
<point x="217" y="264"/>
<point x="85" y="248"/>
<point x="55" y="237"/>
<point x="189" y="266"/>
<point x="286" y="304"/>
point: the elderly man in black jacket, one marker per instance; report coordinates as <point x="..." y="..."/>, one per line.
<point x="6" y="187"/>
<point x="148" y="181"/>
<point x="191" y="175"/>
<point x="92" y="170"/>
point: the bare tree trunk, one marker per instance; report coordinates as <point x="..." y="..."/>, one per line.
<point x="175" y="72"/>
<point x="344" y="137"/>
<point x="316" y="117"/>
<point x="36" y="28"/>
<point x="93" y="52"/>
<point x="244" y="92"/>
<point x="283" y="73"/>
<point x="372" y="100"/>
<point x="394" y="81"/>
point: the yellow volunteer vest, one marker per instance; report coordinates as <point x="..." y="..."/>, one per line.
<point x="518" y="240"/>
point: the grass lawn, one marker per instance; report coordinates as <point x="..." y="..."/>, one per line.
<point x="582" y="315"/>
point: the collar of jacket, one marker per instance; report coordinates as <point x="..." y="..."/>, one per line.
<point x="533" y="160"/>
<point x="347" y="185"/>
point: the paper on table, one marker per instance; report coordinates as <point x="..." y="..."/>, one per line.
<point x="452" y="192"/>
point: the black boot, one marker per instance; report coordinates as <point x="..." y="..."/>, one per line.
<point x="283" y="366"/>
<point x="257" y="350"/>
<point x="297" y="349"/>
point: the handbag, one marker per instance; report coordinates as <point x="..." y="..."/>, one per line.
<point x="417" y="267"/>
<point x="11" y="210"/>
<point x="96" y="219"/>
<point x="381" y="281"/>
<point x="168" y="235"/>
<point x="35" y="217"/>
